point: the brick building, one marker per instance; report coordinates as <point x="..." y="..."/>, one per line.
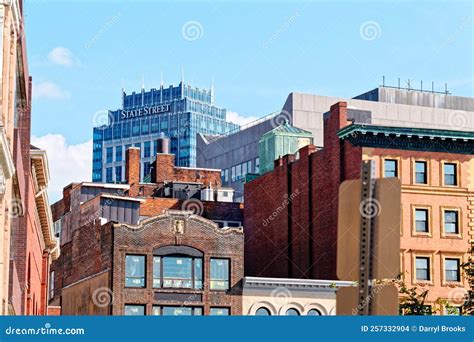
<point x="33" y="244"/>
<point x="291" y="213"/>
<point x="109" y="232"/>
<point x="14" y="100"/>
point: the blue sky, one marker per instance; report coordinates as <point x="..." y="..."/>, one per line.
<point x="258" y="52"/>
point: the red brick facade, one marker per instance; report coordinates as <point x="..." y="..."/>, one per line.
<point x="197" y="233"/>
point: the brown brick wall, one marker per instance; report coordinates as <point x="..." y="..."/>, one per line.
<point x="198" y="233"/>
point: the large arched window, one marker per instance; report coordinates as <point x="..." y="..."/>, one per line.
<point x="292" y="312"/>
<point x="177" y="267"/>
<point x="262" y="312"/>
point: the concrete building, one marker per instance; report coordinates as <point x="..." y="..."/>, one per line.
<point x="381" y="106"/>
<point x="178" y="112"/>
<point x="290" y="297"/>
<point x="291" y="213"/>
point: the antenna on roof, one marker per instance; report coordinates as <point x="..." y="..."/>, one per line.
<point x="143" y="82"/>
<point x="161" y="79"/>
<point x="182" y="75"/>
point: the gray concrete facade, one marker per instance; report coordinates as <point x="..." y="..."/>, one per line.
<point x="386" y="107"/>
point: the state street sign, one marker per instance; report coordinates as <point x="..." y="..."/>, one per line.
<point x="133" y="113"/>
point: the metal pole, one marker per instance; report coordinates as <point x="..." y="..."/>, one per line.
<point x="366" y="233"/>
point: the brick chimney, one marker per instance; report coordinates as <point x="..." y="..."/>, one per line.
<point x="132" y="165"/>
<point x="164" y="167"/>
<point x="338" y="116"/>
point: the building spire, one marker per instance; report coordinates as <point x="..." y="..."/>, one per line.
<point x="161" y="80"/>
<point x="143" y="82"/>
<point x="182" y="75"/>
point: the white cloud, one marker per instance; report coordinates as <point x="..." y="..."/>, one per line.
<point x="48" y="89"/>
<point x="238" y="119"/>
<point x="67" y="163"/>
<point x="62" y="56"/>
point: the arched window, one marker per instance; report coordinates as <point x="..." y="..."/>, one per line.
<point x="177" y="267"/>
<point x="314" y="312"/>
<point x="292" y="312"/>
<point x="262" y="312"/>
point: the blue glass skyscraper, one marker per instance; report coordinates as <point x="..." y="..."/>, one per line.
<point x="178" y="112"/>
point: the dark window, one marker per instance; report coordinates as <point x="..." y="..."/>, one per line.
<point x="451" y="269"/>
<point x="147" y="149"/>
<point x="220" y="312"/>
<point x="262" y="312"/>
<point x="390" y="168"/>
<point x="219" y="274"/>
<point x="118" y="174"/>
<point x="110" y="154"/>
<point x="135" y="271"/>
<point x="421" y="221"/>
<point x="420" y="173"/>
<point x="292" y="312"/>
<point x="118" y="153"/>
<point x="451" y="225"/>
<point x="314" y="312"/>
<point x="450" y="175"/>
<point x="134" y="310"/>
<point x="108" y="175"/>
<point x="422" y="268"/>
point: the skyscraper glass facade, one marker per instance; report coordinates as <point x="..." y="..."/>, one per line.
<point x="178" y="112"/>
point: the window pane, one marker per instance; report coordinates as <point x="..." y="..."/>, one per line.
<point x="156" y="271"/>
<point x="176" y="311"/>
<point x="451" y="222"/>
<point x="314" y="312"/>
<point x="198" y="273"/>
<point x="452" y="269"/>
<point x="390" y="167"/>
<point x="219" y="274"/>
<point x="219" y="311"/>
<point x="421" y="220"/>
<point x="262" y="312"/>
<point x="135" y="271"/>
<point x="422" y="269"/>
<point x="156" y="311"/>
<point x="420" y="173"/>
<point x="292" y="312"/>
<point x="450" y="174"/>
<point x="134" y="310"/>
<point x="177" y="272"/>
